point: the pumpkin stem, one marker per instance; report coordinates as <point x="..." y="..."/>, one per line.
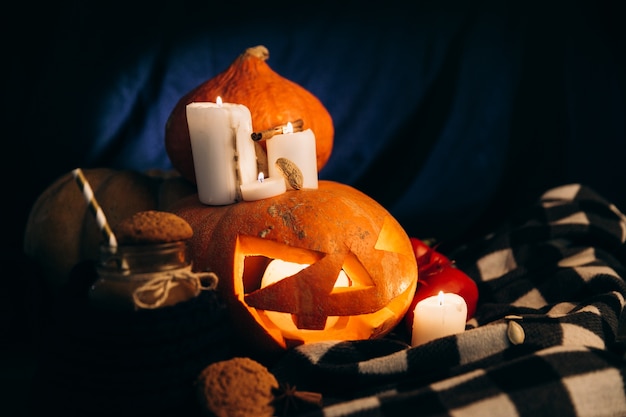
<point x="260" y="52"/>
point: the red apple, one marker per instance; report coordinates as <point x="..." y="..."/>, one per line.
<point x="426" y="254"/>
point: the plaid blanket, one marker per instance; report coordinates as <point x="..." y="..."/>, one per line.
<point x="557" y="270"/>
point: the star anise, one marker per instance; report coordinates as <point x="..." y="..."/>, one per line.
<point x="287" y="398"/>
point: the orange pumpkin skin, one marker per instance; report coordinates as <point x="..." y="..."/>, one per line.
<point x="61" y="231"/>
<point x="272" y="100"/>
<point x="331" y="228"/>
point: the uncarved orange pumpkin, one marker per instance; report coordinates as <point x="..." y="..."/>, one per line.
<point x="272" y="100"/>
<point x="331" y="232"/>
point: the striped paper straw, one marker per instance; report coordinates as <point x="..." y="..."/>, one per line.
<point x="95" y="208"/>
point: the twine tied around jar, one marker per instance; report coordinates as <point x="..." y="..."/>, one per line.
<point x="155" y="292"/>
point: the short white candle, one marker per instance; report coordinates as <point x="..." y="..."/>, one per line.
<point x="438" y="316"/>
<point x="224" y="155"/>
<point x="263" y="188"/>
<point x="299" y="148"/>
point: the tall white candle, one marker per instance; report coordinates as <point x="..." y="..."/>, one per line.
<point x="438" y="316"/>
<point x="224" y="155"/>
<point x="298" y="147"/>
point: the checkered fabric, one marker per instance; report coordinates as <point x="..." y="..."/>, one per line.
<point x="558" y="268"/>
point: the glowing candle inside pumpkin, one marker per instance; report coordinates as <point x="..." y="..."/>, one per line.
<point x="224" y="155"/>
<point x="278" y="269"/>
<point x="299" y="148"/>
<point x="438" y="316"/>
<point x="263" y="188"/>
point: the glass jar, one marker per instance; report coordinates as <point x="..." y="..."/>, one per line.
<point x="146" y="276"/>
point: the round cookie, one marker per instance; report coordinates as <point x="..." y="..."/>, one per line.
<point x="237" y="387"/>
<point x="152" y="226"/>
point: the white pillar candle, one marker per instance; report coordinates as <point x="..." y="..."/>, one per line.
<point x="298" y="147"/>
<point x="263" y="188"/>
<point x="438" y="316"/>
<point x="224" y="155"/>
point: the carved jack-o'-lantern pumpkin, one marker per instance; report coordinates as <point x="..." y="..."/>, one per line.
<point x="307" y="265"/>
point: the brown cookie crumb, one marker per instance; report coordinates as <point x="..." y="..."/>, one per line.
<point x="237" y="387"/>
<point x="152" y="226"/>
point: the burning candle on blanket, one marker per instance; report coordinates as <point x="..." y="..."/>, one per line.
<point x="438" y="316"/>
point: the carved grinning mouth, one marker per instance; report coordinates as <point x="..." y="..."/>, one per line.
<point x="276" y="271"/>
<point x="262" y="276"/>
<point x="302" y="286"/>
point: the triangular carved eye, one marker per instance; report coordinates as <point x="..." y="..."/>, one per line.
<point x="390" y="237"/>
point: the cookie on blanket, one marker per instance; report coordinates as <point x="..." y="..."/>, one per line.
<point x="237" y="387"/>
<point x="152" y="226"/>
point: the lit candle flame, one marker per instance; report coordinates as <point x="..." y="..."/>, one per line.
<point x="261" y="177"/>
<point x="440" y="298"/>
<point x="218" y="100"/>
<point x="288" y="128"/>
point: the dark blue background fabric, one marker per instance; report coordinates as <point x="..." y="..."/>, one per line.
<point x="449" y="113"/>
